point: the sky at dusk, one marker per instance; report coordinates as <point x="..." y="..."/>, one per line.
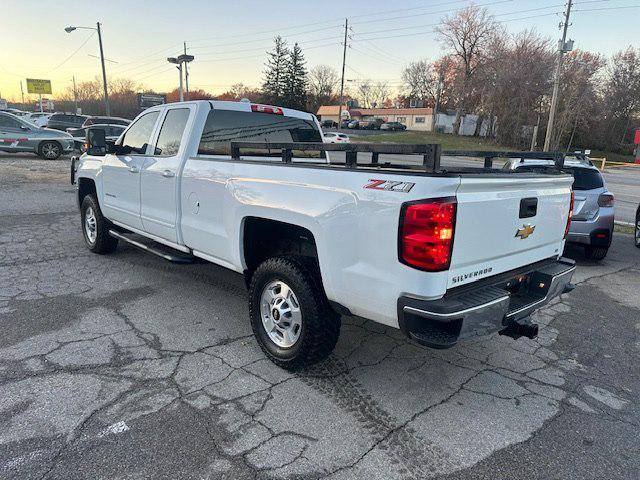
<point x="229" y="39"/>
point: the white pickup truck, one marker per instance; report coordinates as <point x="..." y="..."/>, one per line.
<point x="442" y="254"/>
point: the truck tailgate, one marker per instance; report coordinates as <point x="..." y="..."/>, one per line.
<point x="507" y="221"/>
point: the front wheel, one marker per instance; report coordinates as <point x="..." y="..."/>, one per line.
<point x="290" y="316"/>
<point x="595" y="253"/>
<point x="49" y="150"/>
<point x="95" y="228"/>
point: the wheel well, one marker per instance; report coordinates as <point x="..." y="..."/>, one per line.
<point x="263" y="238"/>
<point x="86" y="186"/>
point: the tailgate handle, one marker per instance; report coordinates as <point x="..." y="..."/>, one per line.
<point x="528" y="207"/>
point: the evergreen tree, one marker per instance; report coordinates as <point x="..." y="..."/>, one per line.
<point x="296" y="80"/>
<point x="276" y="72"/>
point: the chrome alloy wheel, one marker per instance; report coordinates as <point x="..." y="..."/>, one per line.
<point x="90" y="224"/>
<point x="51" y="150"/>
<point x="281" y="314"/>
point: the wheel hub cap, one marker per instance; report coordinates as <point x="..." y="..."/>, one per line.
<point x="281" y="314"/>
<point x="90" y="225"/>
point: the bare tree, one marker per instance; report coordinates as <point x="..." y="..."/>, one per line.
<point x="380" y="93"/>
<point x="365" y="93"/>
<point x="420" y="81"/>
<point x="323" y="81"/>
<point x="467" y="33"/>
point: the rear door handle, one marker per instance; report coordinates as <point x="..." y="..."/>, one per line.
<point x="168" y="174"/>
<point x="134" y="169"/>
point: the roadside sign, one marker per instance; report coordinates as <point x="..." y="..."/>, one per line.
<point x="35" y="85"/>
<point x="3" y="104"/>
<point x="636" y="139"/>
<point x="146" y="100"/>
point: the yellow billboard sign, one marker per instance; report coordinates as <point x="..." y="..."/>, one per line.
<point x="35" y="85"/>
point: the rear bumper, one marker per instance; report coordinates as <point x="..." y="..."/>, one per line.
<point x="504" y="306"/>
<point x="597" y="232"/>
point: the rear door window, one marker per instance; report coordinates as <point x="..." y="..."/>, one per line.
<point x="585" y="178"/>
<point x="8" y="123"/>
<point x="225" y="126"/>
<point x="171" y="132"/>
<point x="138" y="135"/>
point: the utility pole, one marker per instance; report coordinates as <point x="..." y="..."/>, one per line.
<point x="434" y="117"/>
<point x="179" y="60"/>
<point x="104" y="73"/>
<point x="75" y="94"/>
<point x="22" y="93"/>
<point x="186" y="72"/>
<point x="344" y="61"/>
<point x="563" y="47"/>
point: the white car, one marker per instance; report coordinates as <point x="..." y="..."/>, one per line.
<point x="39" y="119"/>
<point x="442" y="254"/>
<point x="335" y="137"/>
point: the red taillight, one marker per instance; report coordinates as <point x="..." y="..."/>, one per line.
<point x="605" y="200"/>
<point x="266" y="109"/>
<point x="566" y="230"/>
<point x="426" y="234"/>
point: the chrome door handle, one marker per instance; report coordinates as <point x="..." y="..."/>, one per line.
<point x="168" y="174"/>
<point x="134" y="169"/>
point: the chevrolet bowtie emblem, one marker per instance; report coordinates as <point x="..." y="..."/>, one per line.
<point x="525" y="231"/>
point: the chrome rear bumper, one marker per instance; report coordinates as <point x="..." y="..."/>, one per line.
<point x="503" y="306"/>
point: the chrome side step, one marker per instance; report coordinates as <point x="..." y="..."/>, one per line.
<point x="168" y="253"/>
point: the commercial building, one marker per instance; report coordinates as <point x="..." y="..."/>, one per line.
<point x="413" y="118"/>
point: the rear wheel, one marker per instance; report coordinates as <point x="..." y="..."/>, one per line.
<point x="95" y="228"/>
<point x="290" y="316"/>
<point x="50" y="150"/>
<point x="595" y="253"/>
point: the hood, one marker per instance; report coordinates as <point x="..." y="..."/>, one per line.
<point x="55" y="133"/>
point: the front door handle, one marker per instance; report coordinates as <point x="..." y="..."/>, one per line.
<point x="168" y="174"/>
<point x="134" y="169"/>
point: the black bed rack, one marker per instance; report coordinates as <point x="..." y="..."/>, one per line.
<point x="431" y="153"/>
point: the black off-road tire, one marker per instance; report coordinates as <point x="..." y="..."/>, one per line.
<point x="595" y="253"/>
<point x="49" y="150"/>
<point x="103" y="242"/>
<point x="320" y="324"/>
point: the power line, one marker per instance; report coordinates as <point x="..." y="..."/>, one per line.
<point x="72" y="54"/>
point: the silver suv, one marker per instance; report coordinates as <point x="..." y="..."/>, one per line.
<point x="16" y="135"/>
<point x="593" y="210"/>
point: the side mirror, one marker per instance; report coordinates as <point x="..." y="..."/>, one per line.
<point x="24" y="127"/>
<point x="96" y="142"/>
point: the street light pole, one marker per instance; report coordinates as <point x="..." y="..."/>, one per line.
<point x="104" y="73"/>
<point x="179" y="61"/>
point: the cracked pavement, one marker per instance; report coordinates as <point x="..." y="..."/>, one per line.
<point x="125" y="366"/>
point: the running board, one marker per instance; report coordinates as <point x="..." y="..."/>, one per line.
<point x="177" y="257"/>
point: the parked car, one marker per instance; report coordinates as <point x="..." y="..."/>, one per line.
<point x="95" y="120"/>
<point x="593" y="211"/>
<point x="345" y="123"/>
<point x="62" y="121"/>
<point x="17" y="135"/>
<point x="329" y="124"/>
<point x="393" y="126"/>
<point x="405" y="245"/>
<point x="335" y="137"/>
<point x="353" y="125"/>
<point x="111" y="133"/>
<point x="371" y="124"/>
<point x="39" y="119"/>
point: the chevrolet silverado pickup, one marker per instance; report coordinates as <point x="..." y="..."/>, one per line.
<point x="318" y="232"/>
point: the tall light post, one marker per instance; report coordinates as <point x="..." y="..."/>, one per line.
<point x="179" y="61"/>
<point x="104" y="72"/>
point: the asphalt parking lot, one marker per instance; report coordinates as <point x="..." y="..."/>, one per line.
<point x="125" y="366"/>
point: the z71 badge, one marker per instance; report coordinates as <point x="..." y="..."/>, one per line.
<point x="390" y="185"/>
